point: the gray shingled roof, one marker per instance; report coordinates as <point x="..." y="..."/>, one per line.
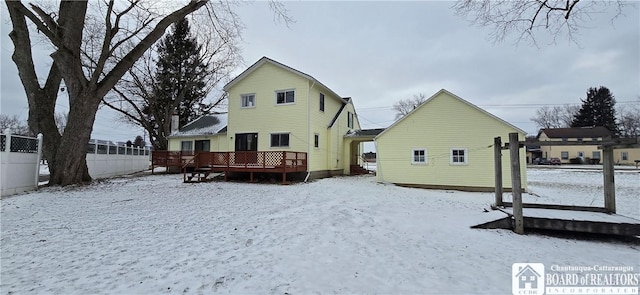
<point x="576" y="132"/>
<point x="205" y="125"/>
<point x="365" y="132"/>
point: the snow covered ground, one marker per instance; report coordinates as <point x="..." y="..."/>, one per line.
<point x="583" y="188"/>
<point x="344" y="235"/>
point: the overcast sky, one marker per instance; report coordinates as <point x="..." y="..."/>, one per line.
<point x="381" y="52"/>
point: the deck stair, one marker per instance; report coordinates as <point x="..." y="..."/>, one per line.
<point x="197" y="174"/>
<point x="358" y="170"/>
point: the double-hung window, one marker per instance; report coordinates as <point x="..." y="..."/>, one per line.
<point x="350" y="120"/>
<point x="186" y="145"/>
<point x="459" y="156"/>
<point x="279" y="139"/>
<point x="564" y="155"/>
<point x="419" y="156"/>
<point x="248" y="100"/>
<point x="285" y="97"/>
<point x="624" y="156"/>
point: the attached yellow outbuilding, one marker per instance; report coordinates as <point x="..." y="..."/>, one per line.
<point x="446" y="143"/>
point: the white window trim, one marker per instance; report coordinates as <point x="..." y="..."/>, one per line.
<point x="242" y="96"/>
<point x="466" y="157"/>
<point x="190" y="143"/>
<point x="275" y="97"/>
<point x="350" y="119"/>
<point x="426" y="154"/>
<point x="624" y="156"/>
<point x="279" y="147"/>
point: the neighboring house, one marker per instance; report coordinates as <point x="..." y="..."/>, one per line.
<point x="207" y="133"/>
<point x="369" y="156"/>
<point x="533" y="149"/>
<point x="275" y="108"/>
<point x="584" y="151"/>
<point x="446" y="143"/>
<point x="626" y="156"/>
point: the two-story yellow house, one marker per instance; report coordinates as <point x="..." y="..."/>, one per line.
<point x="585" y="135"/>
<point x="273" y="108"/>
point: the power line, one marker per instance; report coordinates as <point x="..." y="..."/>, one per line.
<point x="515" y="105"/>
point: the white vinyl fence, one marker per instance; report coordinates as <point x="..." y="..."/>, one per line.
<point x="19" y="163"/>
<point x="106" y="159"/>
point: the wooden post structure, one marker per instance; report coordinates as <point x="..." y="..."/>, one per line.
<point x="497" y="155"/>
<point x="609" y="182"/>
<point x="516" y="185"/>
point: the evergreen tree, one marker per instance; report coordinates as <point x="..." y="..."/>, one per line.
<point x="139" y="142"/>
<point x="180" y="79"/>
<point x="598" y="109"/>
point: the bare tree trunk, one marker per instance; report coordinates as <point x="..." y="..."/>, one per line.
<point x="67" y="153"/>
<point x="71" y="164"/>
<point x="42" y="100"/>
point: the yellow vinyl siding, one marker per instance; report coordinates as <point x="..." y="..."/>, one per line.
<point x="441" y="124"/>
<point x="319" y="157"/>
<point x="302" y="119"/>
<point x="267" y="117"/>
<point x="342" y="128"/>
<point x="217" y="142"/>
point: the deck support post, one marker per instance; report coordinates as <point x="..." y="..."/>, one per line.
<point x="516" y="182"/>
<point x="497" y="155"/>
<point x="250" y="176"/>
<point x="609" y="182"/>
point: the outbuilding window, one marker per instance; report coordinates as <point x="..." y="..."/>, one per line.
<point x="459" y="156"/>
<point x="419" y="156"/>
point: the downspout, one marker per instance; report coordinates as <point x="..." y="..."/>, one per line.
<point x="309" y="131"/>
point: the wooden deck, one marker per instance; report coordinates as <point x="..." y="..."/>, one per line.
<point x="169" y="159"/>
<point x="197" y="167"/>
<point x="568" y="218"/>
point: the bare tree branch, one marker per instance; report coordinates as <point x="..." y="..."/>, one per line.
<point x="405" y="106"/>
<point x="526" y="18"/>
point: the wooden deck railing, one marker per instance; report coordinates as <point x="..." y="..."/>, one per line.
<point x="207" y="162"/>
<point x="169" y="158"/>
<point x="271" y="161"/>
